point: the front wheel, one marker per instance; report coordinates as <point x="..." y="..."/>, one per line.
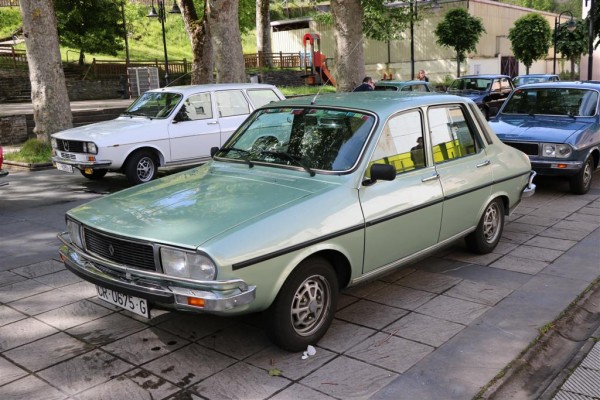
<point x="489" y="230"/>
<point x="141" y="167"/>
<point x="95" y="175"/>
<point x="581" y="183"/>
<point x="304" y="307"/>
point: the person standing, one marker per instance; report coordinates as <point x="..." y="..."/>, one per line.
<point x="366" y="85"/>
<point x="421" y="76"/>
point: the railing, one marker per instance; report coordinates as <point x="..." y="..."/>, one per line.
<point x="277" y="60"/>
<point x="9" y="3"/>
<point x="111" y="68"/>
<point x="12" y="58"/>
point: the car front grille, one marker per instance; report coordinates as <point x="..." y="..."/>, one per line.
<point x="68" y="156"/>
<point x="531" y="149"/>
<point x="72" y="146"/>
<point x="133" y="254"/>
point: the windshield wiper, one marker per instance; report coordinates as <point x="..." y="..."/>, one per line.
<point x="246" y="153"/>
<point x="290" y="158"/>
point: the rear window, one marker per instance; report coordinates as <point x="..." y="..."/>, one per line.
<point x="553" y="101"/>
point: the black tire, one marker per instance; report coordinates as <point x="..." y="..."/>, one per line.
<point x="581" y="183"/>
<point x="489" y="230"/>
<point x="304" y="307"/>
<point x="96" y="174"/>
<point x="141" y="167"/>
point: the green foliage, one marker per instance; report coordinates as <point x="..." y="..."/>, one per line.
<point x="305" y="90"/>
<point x="572" y="44"/>
<point x="530" y="38"/>
<point x="381" y="23"/>
<point x="460" y="31"/>
<point x="10" y="20"/>
<point x="32" y="151"/>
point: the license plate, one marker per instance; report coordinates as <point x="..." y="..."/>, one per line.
<point x="125" y="301"/>
<point x="64" y="167"/>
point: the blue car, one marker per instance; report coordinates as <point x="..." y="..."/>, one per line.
<point x="557" y="124"/>
<point x="487" y="91"/>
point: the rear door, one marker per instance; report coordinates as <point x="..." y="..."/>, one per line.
<point x="233" y="108"/>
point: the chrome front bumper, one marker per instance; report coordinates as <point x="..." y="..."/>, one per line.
<point x="82" y="164"/>
<point x="166" y="291"/>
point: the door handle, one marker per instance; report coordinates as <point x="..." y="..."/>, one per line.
<point x="431" y="178"/>
<point x="483" y="164"/>
<point x="212" y="123"/>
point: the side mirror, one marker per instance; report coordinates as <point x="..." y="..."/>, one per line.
<point x="213" y="151"/>
<point x="383" y="172"/>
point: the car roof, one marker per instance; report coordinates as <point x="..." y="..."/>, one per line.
<point x="487" y="76"/>
<point x="190" y="89"/>
<point x="534" y="75"/>
<point x="383" y="103"/>
<point x="400" y="83"/>
<point x="563" y="84"/>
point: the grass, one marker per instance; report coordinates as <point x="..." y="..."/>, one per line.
<point x="33" y="151"/>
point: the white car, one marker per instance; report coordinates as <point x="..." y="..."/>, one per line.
<point x="164" y="127"/>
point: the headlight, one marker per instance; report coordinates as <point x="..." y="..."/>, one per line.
<point x="187" y="265"/>
<point x="90" y="147"/>
<point x="53" y="143"/>
<point x="556" y="150"/>
<point x="75" y="233"/>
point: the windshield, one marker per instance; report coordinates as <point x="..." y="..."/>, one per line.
<point x="154" y="104"/>
<point x="553" y="101"/>
<point x="310" y="138"/>
<point x="478" y="84"/>
<point x="523" y="80"/>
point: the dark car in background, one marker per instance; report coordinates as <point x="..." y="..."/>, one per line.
<point x="487" y="91"/>
<point x="534" y="78"/>
<point x="404" y="86"/>
<point x="557" y="124"/>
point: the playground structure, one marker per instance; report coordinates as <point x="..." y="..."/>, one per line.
<point x="315" y="63"/>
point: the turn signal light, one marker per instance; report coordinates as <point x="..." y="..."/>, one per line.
<point x="561" y="166"/>
<point x="196" y="302"/>
<point x="91" y="158"/>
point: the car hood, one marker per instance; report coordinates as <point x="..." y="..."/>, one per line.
<point x="194" y="206"/>
<point x="536" y="128"/>
<point x="103" y="132"/>
<point x="471" y="94"/>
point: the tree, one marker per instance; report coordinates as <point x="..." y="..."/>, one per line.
<point x="51" y="107"/>
<point x="572" y="45"/>
<point x="530" y="38"/>
<point x="460" y="31"/>
<point x="223" y="20"/>
<point x="348" y="35"/>
<point x="263" y="29"/>
<point x="92" y="26"/>
<point x="202" y="48"/>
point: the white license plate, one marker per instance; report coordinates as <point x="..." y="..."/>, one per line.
<point x="64" y="167"/>
<point x="125" y="301"/>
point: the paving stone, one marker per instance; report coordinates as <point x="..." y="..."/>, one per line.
<point x="8" y="315"/>
<point x="291" y="365"/>
<point x="8" y="278"/>
<point x="21" y="290"/>
<point x="538" y="220"/>
<point x="59" y="279"/>
<point x="345" y="300"/>
<point x="560" y="233"/>
<point x="454" y="310"/>
<point x="106" y="329"/>
<point x="30" y="388"/>
<point x="50" y="350"/>
<point x="81" y="290"/>
<point x="516" y="237"/>
<point x="518" y="227"/>
<point x="504" y="247"/>
<point x="491" y="276"/>
<point x="577" y="226"/>
<point x="424" y="329"/>
<point x="43" y="302"/>
<point x="401" y="297"/>
<point x="479" y="259"/>
<point x="587" y="218"/>
<point x="370" y="314"/>
<point x="519" y="264"/>
<point x="84" y="371"/>
<point x="536" y="253"/>
<point x="241" y="380"/>
<point x="73" y="314"/>
<point x="135" y="385"/>
<point x="428" y="281"/>
<point x="346" y="378"/>
<point x="365" y="289"/>
<point x="478" y="292"/>
<point x="23" y="331"/>
<point x="342" y="335"/>
<point x="238" y="340"/>
<point x="39" y="269"/>
<point x="188" y="365"/>
<point x="193" y="327"/>
<point x="397" y="274"/>
<point x="390" y="352"/>
<point x="297" y="391"/>
<point x="550" y="213"/>
<point x="9" y="372"/>
<point x="551" y="243"/>
<point x="590" y="211"/>
<point x="144" y="346"/>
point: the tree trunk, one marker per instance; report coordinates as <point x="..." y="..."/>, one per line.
<point x="263" y="33"/>
<point x="457" y="65"/>
<point x="81" y="58"/>
<point x="573" y="69"/>
<point x="51" y="106"/>
<point x="223" y="22"/>
<point x="349" y="54"/>
<point x="202" y="49"/>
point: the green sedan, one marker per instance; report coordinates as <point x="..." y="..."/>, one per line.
<point x="309" y="196"/>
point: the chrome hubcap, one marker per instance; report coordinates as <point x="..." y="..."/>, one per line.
<point x="491" y="223"/>
<point x="145" y="169"/>
<point x="587" y="174"/>
<point x="310" y="305"/>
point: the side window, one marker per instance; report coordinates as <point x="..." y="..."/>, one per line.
<point x="232" y="102"/>
<point x="196" y="107"/>
<point x="401" y="142"/>
<point x="495" y="86"/>
<point x="505" y="85"/>
<point x="260" y="97"/>
<point x="451" y="136"/>
<point x="420" y="88"/>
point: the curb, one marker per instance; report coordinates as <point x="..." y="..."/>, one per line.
<point x="17" y="166"/>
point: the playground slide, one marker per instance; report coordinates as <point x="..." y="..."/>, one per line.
<point x="325" y="75"/>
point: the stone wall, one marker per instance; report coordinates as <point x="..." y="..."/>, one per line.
<point x="94" y="90"/>
<point x="13" y="129"/>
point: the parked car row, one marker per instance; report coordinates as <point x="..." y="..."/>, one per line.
<point x="3" y="172"/>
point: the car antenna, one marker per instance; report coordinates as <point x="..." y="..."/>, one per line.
<point x="178" y="78"/>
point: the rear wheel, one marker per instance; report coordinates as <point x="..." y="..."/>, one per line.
<point x="96" y="174"/>
<point x="581" y="183"/>
<point x="141" y="167"/>
<point x="304" y="307"/>
<point x="489" y="230"/>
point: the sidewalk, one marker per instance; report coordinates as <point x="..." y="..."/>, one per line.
<point x="27" y="108"/>
<point x="443" y="328"/>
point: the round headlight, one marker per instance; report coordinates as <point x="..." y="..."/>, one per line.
<point x="556" y="150"/>
<point x="75" y="233"/>
<point x="187" y="265"/>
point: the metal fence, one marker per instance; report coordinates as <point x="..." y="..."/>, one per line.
<point x="99" y="69"/>
<point x="275" y="60"/>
